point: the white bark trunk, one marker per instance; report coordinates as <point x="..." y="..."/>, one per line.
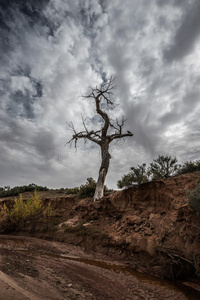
<point x="100" y="185"/>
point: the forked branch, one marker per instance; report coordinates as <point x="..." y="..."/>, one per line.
<point x="105" y="92"/>
<point x="85" y="134"/>
<point x="102" y="94"/>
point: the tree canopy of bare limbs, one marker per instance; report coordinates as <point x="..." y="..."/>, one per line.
<point x="108" y="131"/>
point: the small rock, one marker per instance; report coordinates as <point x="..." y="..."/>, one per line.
<point x="133" y="220"/>
<point x="148" y="231"/>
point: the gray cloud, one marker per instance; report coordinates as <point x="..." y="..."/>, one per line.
<point x="51" y="51"/>
<point x="43" y="141"/>
<point x="186" y="35"/>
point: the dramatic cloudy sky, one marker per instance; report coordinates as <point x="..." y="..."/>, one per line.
<point x="52" y="50"/>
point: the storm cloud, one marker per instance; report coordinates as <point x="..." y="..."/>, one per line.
<point x="51" y="51"/>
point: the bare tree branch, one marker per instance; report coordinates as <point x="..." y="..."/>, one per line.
<point x="119" y="126"/>
<point x="86" y="135"/>
<point x="105" y="92"/>
<point x="119" y="136"/>
<point x="102" y="94"/>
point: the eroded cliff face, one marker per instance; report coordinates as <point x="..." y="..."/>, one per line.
<point x="150" y="226"/>
<point x="157" y="214"/>
<point x="151" y="223"/>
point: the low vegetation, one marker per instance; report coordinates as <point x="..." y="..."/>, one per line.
<point x="72" y="191"/>
<point x="88" y="189"/>
<point x="190" y="167"/>
<point x="137" y="175"/>
<point x="7" y="191"/>
<point x="33" y="208"/>
<point x="161" y="168"/>
<point x="85" y="190"/>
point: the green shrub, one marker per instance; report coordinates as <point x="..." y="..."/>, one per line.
<point x="18" y="211"/>
<point x="48" y="212"/>
<point x="24" y="210"/>
<point x="137" y="175"/>
<point x="194" y="198"/>
<point x="88" y="189"/>
<point x="189" y="167"/>
<point x="7" y="191"/>
<point x="72" y="191"/>
<point x="163" y="167"/>
<point x="34" y="205"/>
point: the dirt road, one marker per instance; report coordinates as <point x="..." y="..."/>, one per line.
<point x="37" y="269"/>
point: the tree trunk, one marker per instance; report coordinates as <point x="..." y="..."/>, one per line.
<point x="105" y="155"/>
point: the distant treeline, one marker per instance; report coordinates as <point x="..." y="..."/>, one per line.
<point x="7" y="191"/>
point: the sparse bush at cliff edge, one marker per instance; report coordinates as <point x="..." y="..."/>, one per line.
<point x="190" y="167"/>
<point x="26" y="209"/>
<point x="9" y="192"/>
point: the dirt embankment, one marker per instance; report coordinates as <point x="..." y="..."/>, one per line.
<point x="151" y="227"/>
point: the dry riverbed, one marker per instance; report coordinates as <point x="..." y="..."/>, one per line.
<point x="37" y="269"/>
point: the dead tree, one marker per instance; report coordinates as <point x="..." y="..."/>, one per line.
<point x="108" y="132"/>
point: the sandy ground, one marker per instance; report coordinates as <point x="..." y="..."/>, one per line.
<point x="36" y="269"/>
